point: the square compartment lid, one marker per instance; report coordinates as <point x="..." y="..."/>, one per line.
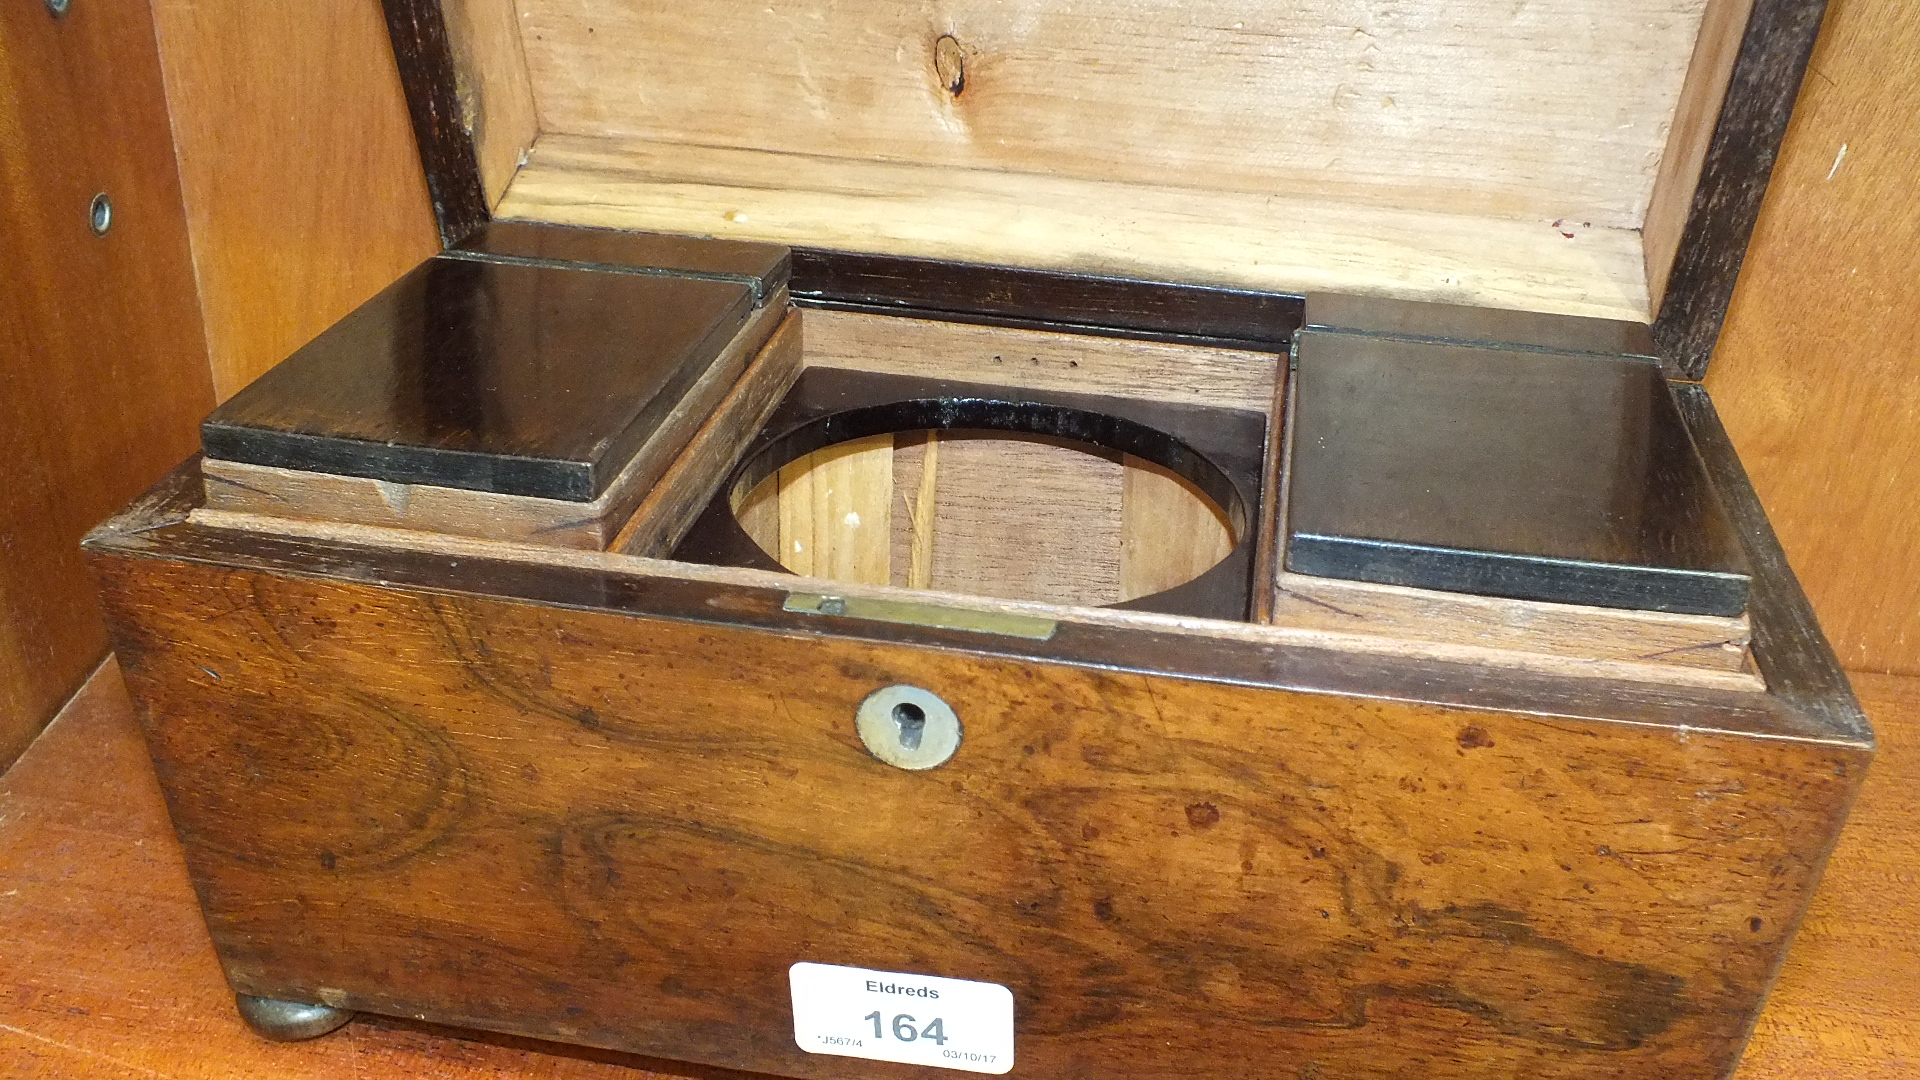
<point x="504" y="368"/>
<point x="1510" y="471"/>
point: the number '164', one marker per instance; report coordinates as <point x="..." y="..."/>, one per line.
<point x="904" y="1030"/>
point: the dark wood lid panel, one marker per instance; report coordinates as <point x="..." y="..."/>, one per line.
<point x="1528" y="474"/>
<point x="514" y="379"/>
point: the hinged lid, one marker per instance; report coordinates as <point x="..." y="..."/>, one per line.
<point x="1499" y="454"/>
<point x="1588" y="157"/>
<point x="528" y="361"/>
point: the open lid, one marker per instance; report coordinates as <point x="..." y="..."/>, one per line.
<point x="1587" y="157"/>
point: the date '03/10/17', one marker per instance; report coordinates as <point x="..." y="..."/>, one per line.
<point x="902" y="1028"/>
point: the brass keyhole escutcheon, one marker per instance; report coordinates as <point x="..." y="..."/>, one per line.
<point x="908" y="727"/>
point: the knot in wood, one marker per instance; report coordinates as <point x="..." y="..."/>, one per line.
<point x="950" y="63"/>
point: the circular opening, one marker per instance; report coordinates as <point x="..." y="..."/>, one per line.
<point x="1033" y="514"/>
<point x="100" y="214"/>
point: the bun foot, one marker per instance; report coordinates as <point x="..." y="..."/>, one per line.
<point x="288" y="1021"/>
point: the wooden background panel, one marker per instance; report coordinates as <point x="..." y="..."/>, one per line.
<point x="835" y="508"/>
<point x="1818" y="374"/>
<point x="303" y="186"/>
<point x="102" y="373"/>
<point x="1042" y="360"/>
<point x="1540" y="111"/>
<point x="1021" y="518"/>
<point x="1847" y="1003"/>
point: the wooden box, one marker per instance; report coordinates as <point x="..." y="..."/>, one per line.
<point x="510" y="660"/>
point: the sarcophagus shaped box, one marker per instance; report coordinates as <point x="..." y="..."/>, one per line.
<point x="1071" y="540"/>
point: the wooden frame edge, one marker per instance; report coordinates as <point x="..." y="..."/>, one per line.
<point x="1754" y="114"/>
<point x="424" y="54"/>
<point x="161" y="525"/>
<point x="1792" y="652"/>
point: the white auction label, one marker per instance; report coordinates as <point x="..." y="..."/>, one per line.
<point x="895" y="1016"/>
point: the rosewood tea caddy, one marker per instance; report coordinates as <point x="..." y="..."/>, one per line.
<point x="1127" y="540"/>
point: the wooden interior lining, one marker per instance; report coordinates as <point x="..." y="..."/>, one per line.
<point x="1721" y="32"/>
<point x="1170" y="533"/>
<point x="1013" y="517"/>
<point x="1540" y="156"/>
<point x="1269" y="242"/>
<point x="1042" y="360"/>
<point x="1019" y="518"/>
<point x="1556" y="109"/>
<point x="1359" y="607"/>
<point x="495" y="91"/>
<point x="834" y="511"/>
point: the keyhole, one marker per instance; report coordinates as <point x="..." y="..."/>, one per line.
<point x="911" y="719"/>
<point x="908" y="727"/>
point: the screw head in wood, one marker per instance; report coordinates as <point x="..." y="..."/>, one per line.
<point x="58" y="8"/>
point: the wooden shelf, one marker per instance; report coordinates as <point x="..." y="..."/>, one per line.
<point x="107" y="970"/>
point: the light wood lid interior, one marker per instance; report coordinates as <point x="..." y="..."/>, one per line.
<point x="1498" y="154"/>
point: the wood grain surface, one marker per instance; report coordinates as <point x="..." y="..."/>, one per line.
<point x="1817" y="377"/>
<point x="1284" y="243"/>
<point x="835" y="511"/>
<point x="110" y="975"/>
<point x="1705" y="641"/>
<point x="496" y="99"/>
<point x="102" y="367"/>
<point x="1693" y="124"/>
<point x="1734" y="173"/>
<point x="670" y="509"/>
<point x="1042" y="360"/>
<point x="1021" y="518"/>
<point x="302" y="182"/>
<point x="1084" y="528"/>
<point x="508" y="814"/>
<point x="1552" y="110"/>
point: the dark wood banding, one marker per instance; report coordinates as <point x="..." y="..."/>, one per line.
<point x="424" y="54"/>
<point x="1046" y="299"/>
<point x="1788" y="644"/>
<point x="1733" y="180"/>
